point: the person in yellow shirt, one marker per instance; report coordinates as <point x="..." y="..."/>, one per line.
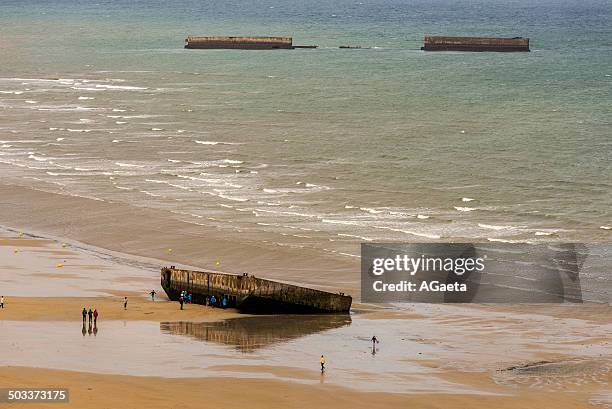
<point x="322" y="361"/>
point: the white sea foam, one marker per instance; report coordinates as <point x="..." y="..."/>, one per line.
<point x="467" y="199"/>
<point x="410" y="232"/>
<point x="129" y="165"/>
<point x="371" y="210"/>
<point x="349" y="255"/>
<point x="493" y="227"/>
<point x="69" y="109"/>
<point x="355" y="236"/>
<point x="422" y="216"/>
<point x="507" y="240"/>
<point x="464" y="209"/>
<point x="311" y="216"/>
<point x="232" y="198"/>
<point x="120" y="87"/>
<point x="318" y="186"/>
<point x="85" y="98"/>
<point x="345" y="222"/>
<point x="29" y="101"/>
<point x="544" y="233"/>
<point x="605" y="227"/>
<point x="78" y="130"/>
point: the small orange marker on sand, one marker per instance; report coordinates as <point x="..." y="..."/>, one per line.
<point x="59" y="265"/>
<point x="64" y="245"/>
<point x="169" y="250"/>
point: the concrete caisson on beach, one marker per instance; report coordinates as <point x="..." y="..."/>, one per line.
<point x="251" y="294"/>
<point x="440" y="43"/>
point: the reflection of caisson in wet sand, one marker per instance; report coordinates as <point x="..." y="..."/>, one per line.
<point x="251" y="333"/>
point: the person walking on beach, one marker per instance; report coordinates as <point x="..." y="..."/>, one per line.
<point x="95" y="314"/>
<point x="90" y="314"/>
<point x="125" y="303"/>
<point x="84" y="312"/>
<point x="181" y="301"/>
<point x="2" y="302"/>
<point x="374" y="341"/>
<point x="322" y="361"/>
<point x="152" y="295"/>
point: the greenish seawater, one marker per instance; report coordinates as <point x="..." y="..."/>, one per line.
<point x="318" y="148"/>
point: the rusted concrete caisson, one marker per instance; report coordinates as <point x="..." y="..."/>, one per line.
<point x="437" y="43"/>
<point x="237" y="42"/>
<point x="251" y="294"/>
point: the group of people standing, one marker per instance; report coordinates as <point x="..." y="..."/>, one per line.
<point x="213" y="301"/>
<point x="92" y="314"/>
<point x="210" y="301"/>
<point x="93" y="319"/>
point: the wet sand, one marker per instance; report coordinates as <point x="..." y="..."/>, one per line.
<point x="110" y="308"/>
<point x="429" y="356"/>
<point x="112" y="391"/>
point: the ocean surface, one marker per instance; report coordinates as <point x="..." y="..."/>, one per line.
<point x="319" y="149"/>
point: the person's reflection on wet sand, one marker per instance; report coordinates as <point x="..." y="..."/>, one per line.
<point x="89" y="329"/>
<point x="95" y="329"/>
<point x="83" y="330"/>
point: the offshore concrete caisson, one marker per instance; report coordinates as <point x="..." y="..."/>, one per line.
<point x="239" y="42"/>
<point x="440" y="43"/>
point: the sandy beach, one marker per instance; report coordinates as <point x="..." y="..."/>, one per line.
<point x="100" y="391"/>
<point x="155" y="355"/>
<point x="419" y="191"/>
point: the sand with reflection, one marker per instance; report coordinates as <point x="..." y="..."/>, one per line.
<point x="430" y="355"/>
